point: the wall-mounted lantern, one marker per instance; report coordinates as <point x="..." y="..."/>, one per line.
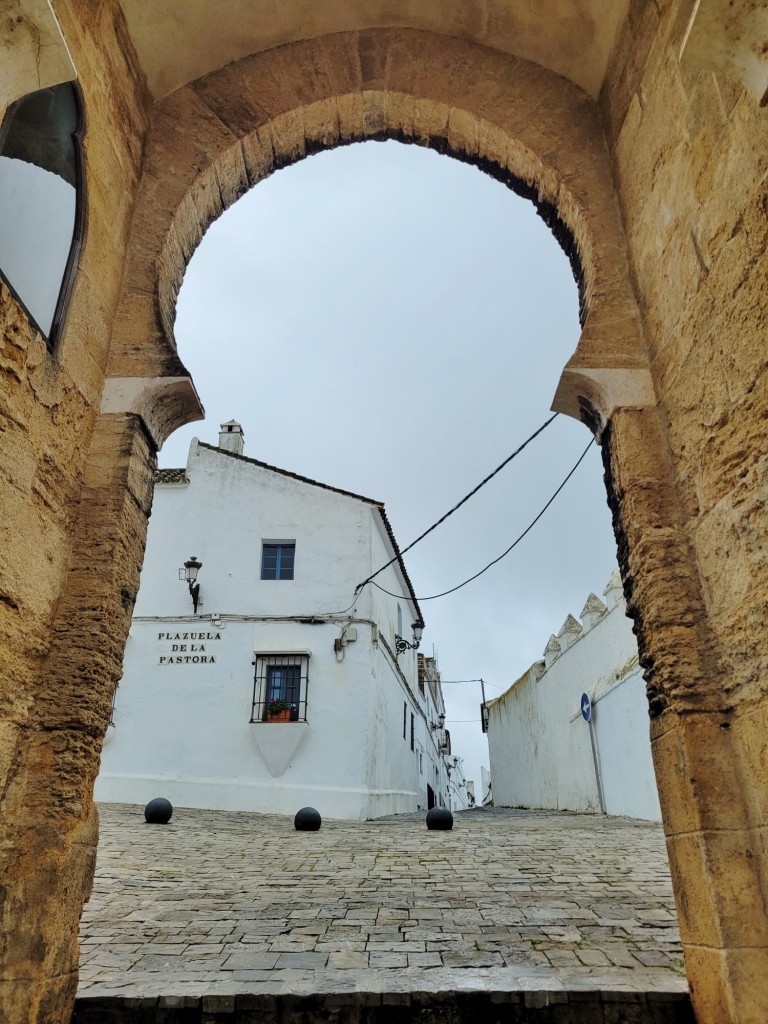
<point x="401" y="646"/>
<point x="440" y="723"/>
<point x="189" y="575"/>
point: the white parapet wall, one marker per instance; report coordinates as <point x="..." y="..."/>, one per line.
<point x="542" y="753"/>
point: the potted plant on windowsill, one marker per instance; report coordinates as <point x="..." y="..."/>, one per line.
<point x="278" y="711"/>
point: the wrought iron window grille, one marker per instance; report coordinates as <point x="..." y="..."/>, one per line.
<point x="280" y="685"/>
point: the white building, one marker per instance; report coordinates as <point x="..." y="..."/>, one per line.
<point x="446" y="786"/>
<point x="544" y="754"/>
<point x="279" y="616"/>
<point x="459" y="788"/>
<point x="486" y="787"/>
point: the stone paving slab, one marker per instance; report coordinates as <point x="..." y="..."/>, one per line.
<point x="225" y="903"/>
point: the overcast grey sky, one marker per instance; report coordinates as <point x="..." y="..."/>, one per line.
<point x="393" y="322"/>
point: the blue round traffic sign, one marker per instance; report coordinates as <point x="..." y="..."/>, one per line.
<point x="586" y="707"/>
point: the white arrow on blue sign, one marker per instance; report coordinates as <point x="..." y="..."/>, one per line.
<point x="586" y="707"/>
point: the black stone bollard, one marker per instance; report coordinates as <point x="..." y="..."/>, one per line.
<point x="307" y="820"/>
<point x="158" y="811"/>
<point x="439" y="818"/>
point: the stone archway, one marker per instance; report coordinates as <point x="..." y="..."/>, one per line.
<point x="218" y="135"/>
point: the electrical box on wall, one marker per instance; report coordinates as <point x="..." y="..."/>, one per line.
<point x="347" y="637"/>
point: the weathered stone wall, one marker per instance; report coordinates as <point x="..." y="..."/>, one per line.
<point x="690" y="156"/>
<point x="62" y="641"/>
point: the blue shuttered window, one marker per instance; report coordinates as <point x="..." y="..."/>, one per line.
<point x="277" y="561"/>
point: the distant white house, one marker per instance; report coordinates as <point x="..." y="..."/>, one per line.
<point x="452" y="790"/>
<point x="544" y="753"/>
<point x="460" y="791"/>
<point x="272" y="680"/>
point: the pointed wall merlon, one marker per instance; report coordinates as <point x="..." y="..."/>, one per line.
<point x="614" y="591"/>
<point x="593" y="610"/>
<point x="552" y="651"/>
<point x="570" y="631"/>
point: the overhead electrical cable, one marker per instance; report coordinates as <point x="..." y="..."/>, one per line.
<point x="457" y="506"/>
<point x="512" y="546"/>
<point x="450" y="682"/>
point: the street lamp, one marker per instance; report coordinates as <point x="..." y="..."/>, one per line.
<point x="189" y="575"/>
<point x="401" y="646"/>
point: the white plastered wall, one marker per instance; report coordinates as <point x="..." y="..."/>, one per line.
<point x="540" y="748"/>
<point x="182" y="728"/>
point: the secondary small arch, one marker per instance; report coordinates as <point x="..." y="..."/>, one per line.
<point x="42" y="202"/>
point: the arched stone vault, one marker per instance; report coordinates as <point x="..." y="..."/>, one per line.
<point x="217" y="137"/>
<point x="574" y="40"/>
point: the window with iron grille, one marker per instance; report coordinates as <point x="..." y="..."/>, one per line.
<point x="280" y="688"/>
<point x="277" y="561"/>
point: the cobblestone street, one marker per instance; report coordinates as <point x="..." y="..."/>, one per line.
<point x="219" y="902"/>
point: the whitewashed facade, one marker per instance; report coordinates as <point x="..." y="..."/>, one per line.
<point x="486" y="787"/>
<point x="364" y="738"/>
<point x="460" y="796"/>
<point x="544" y="754"/>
